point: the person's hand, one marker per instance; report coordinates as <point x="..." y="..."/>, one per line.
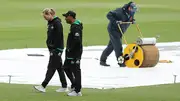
<point x="134" y="21"/>
<point x="55" y="52"/>
<point x="119" y="22"/>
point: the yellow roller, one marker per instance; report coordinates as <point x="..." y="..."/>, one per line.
<point x="144" y="56"/>
<point x="143" y="53"/>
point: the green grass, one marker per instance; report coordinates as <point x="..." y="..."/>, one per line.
<point x="23" y="26"/>
<point x="10" y="92"/>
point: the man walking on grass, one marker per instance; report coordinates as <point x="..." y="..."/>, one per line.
<point x="74" y="49"/>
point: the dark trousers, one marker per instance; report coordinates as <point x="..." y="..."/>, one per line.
<point x="55" y="63"/>
<point x="115" y="44"/>
<point x="73" y="72"/>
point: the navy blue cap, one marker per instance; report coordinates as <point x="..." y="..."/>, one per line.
<point x="70" y="13"/>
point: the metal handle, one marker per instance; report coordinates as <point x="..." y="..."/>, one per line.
<point x="126" y="22"/>
<point x="122" y="34"/>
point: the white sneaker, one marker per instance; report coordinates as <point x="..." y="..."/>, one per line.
<point x="71" y="90"/>
<point x="62" y="90"/>
<point x="73" y="93"/>
<point x="40" y="88"/>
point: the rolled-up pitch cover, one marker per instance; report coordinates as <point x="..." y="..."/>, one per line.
<point x="146" y="41"/>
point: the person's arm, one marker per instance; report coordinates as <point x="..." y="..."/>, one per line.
<point x="58" y="39"/>
<point x="112" y="16"/>
<point x="75" y="41"/>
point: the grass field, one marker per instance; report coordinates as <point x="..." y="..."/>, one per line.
<point x="10" y="92"/>
<point x="21" y="25"/>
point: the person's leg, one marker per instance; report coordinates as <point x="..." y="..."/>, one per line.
<point x="106" y="53"/>
<point x="50" y="71"/>
<point x="49" y="74"/>
<point x="67" y="68"/>
<point x="117" y="45"/>
<point x="61" y="73"/>
<point x="77" y="74"/>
